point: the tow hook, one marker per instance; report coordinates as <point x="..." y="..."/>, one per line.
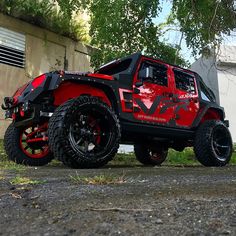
<point x="8" y="102"/>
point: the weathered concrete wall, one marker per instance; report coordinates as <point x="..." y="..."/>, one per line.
<point x="45" y="51"/>
<point x="227" y="85"/>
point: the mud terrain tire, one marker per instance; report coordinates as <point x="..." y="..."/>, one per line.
<point x="150" y="157"/>
<point x="14" y="151"/>
<point x="84" y="133"/>
<point x="213" y="144"/>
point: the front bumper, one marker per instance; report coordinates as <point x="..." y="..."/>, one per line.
<point x="11" y="108"/>
<point x="25" y="113"/>
<point x="8" y="103"/>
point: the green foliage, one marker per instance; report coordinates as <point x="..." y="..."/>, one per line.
<point x="186" y="157"/>
<point x="124" y="159"/>
<point x="123" y="27"/>
<point x="233" y="158"/>
<point x="54" y="15"/>
<point x="204" y="22"/>
<point x="18" y="180"/>
<point x="175" y="158"/>
<point x="5" y="164"/>
<point x="10" y="165"/>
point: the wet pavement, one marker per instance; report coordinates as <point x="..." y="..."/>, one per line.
<point x="150" y="201"/>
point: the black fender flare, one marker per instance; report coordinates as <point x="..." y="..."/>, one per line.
<point x="203" y="112"/>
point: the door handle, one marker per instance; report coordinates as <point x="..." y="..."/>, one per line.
<point x="175" y="100"/>
<point x="195" y="100"/>
<point x="136" y="91"/>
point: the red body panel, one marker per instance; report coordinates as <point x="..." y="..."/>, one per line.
<point x="38" y="80"/>
<point x="148" y="94"/>
<point x="101" y="76"/>
<point x="157" y="106"/>
<point x="211" y="114"/>
<point x="19" y="92"/>
<point x="185" y="117"/>
<point x="68" y="90"/>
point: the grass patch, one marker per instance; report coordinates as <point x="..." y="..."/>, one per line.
<point x="124" y="159"/>
<point x="98" y="179"/>
<point x="18" y="180"/>
<point x="55" y="162"/>
<point x="233" y="158"/>
<point x="2" y="178"/>
<point x="3" y="155"/>
<point x="186" y="157"/>
<point x="10" y="165"/>
<point x="6" y="164"/>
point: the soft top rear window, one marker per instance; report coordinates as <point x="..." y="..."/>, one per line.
<point x="115" y="67"/>
<point x="206" y="93"/>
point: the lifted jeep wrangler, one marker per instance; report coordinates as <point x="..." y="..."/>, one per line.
<point x="80" y="118"/>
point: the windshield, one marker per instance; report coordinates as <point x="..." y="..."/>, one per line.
<point x="115" y="67"/>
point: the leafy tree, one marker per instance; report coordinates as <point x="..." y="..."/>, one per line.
<point x="55" y="15"/>
<point x="122" y="27"/>
<point x="204" y="22"/>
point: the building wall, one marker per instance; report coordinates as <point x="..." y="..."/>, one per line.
<point x="219" y="74"/>
<point x="45" y="51"/>
<point x="227" y="85"/>
<point x="205" y="67"/>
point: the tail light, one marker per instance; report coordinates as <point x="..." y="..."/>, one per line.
<point x="38" y="80"/>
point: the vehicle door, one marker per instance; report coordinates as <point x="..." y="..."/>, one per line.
<point x="186" y="98"/>
<point x="152" y="98"/>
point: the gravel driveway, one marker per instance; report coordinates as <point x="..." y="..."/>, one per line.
<point x="150" y="201"/>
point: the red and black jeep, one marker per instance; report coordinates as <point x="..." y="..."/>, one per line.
<point x="81" y="118"/>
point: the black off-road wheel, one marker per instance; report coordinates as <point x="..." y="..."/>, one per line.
<point x="213" y="144"/>
<point x="84" y="133"/>
<point x="150" y="156"/>
<point x="27" y="145"/>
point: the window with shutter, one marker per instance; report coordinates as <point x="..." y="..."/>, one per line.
<point x="12" y="48"/>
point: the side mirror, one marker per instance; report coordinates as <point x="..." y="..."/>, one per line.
<point x="146" y="73"/>
<point x="139" y="84"/>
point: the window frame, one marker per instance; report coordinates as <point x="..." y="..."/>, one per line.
<point x="175" y="70"/>
<point x="153" y="64"/>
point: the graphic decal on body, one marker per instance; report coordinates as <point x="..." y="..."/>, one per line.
<point x="167" y="103"/>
